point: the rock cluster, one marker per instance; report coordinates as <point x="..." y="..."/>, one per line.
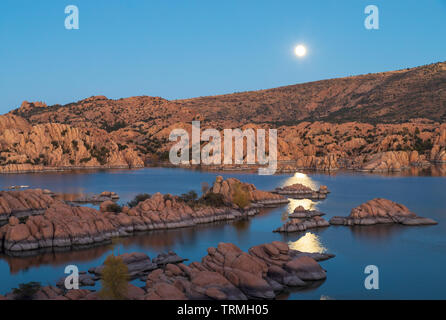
<point x="63" y="225"/>
<point x="23" y="203"/>
<point x="230" y="186"/>
<point x="393" y="161"/>
<point x="55" y="146"/>
<point x="381" y="211"/>
<point x="302" y="219"/>
<point x="300" y="191"/>
<point x="226" y="273"/>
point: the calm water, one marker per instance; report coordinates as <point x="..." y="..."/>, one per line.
<point x="411" y="260"/>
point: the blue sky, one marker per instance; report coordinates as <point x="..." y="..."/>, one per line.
<point x="180" y="49"/>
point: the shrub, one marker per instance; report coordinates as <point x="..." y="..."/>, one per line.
<point x="115" y="279"/>
<point x="240" y="196"/>
<point x="138" y="198"/>
<point x="100" y="154"/>
<point x="213" y="199"/>
<point x="26" y="291"/>
<point x="83" y="160"/>
<point x="190" y="197"/>
<point x="114" y="207"/>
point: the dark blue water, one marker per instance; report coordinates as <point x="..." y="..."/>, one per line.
<point x="411" y="260"/>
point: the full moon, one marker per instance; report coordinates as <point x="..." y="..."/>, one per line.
<point x="300" y="51"/>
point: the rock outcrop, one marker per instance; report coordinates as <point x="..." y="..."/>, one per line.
<point x="229" y="187"/>
<point x="229" y="273"/>
<point x="381" y="211"/>
<point x="23" y="203"/>
<point x="393" y="161"/>
<point x="300" y="191"/>
<point x="55" y="146"/>
<point x="302" y="219"/>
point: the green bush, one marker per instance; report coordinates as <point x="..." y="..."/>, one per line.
<point x="138" y="198"/>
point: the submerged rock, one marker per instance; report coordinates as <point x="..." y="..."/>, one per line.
<point x="381" y="211"/>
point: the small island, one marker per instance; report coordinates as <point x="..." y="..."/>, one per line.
<point x="300" y="191"/>
<point x="381" y="211"/>
<point x="302" y="219"/>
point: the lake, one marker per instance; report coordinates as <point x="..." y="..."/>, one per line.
<point x="411" y="260"/>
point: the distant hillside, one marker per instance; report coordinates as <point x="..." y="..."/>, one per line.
<point x="385" y="121"/>
<point x="388" y="97"/>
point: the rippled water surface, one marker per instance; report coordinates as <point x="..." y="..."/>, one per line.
<point x="411" y="260"/>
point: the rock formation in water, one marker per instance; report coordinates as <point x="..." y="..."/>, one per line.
<point x="302" y="219"/>
<point x="60" y="225"/>
<point x="226" y="273"/>
<point x="300" y="191"/>
<point x="381" y="211"/>
<point x="230" y="187"/>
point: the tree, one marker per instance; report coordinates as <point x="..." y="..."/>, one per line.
<point x="115" y="279"/>
<point x="240" y="196"/>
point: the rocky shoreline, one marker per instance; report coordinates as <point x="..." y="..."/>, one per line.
<point x="62" y="225"/>
<point x="225" y="273"/>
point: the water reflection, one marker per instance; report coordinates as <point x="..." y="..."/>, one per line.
<point x="49" y="257"/>
<point x="308" y="243"/>
<point x="380" y="232"/>
<point x="306" y="203"/>
<point x="312" y="285"/>
<point x="301" y="178"/>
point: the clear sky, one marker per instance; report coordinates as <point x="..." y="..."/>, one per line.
<point x="180" y="49"/>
